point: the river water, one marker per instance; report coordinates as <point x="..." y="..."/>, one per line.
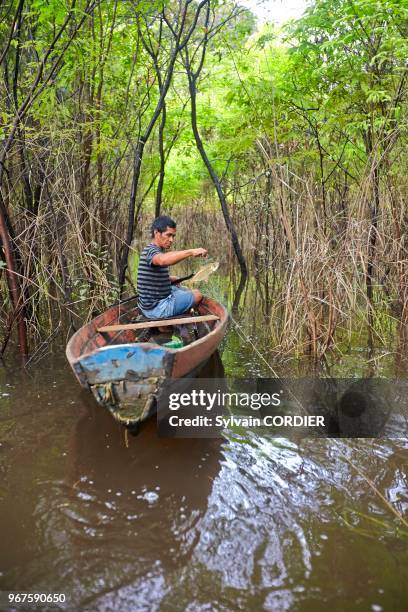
<point x="247" y="522"/>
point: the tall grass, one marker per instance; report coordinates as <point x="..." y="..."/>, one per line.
<point x="309" y="265"/>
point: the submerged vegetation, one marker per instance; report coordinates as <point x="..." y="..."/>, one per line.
<point x="280" y="150"/>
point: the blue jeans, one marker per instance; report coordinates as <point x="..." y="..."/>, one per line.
<point x="178" y="302"/>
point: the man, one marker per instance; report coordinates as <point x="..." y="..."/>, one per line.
<point x="158" y="298"/>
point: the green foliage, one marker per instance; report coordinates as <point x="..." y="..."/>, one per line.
<point x="325" y="97"/>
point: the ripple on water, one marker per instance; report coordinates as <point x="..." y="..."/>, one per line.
<point x="146" y="527"/>
<point x="263" y="526"/>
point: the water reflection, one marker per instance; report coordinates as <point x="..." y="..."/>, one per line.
<point x="248" y="522"/>
<point x="136" y="501"/>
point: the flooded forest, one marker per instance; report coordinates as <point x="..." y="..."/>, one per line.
<point x="281" y="149"/>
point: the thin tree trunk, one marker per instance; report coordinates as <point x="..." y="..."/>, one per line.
<point x="137" y="164"/>
<point x="221" y="196"/>
<point x="374" y="206"/>
<point x="159" y="192"/>
<point x="12" y="280"/>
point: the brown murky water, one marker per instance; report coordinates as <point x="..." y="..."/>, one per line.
<point x="242" y="523"/>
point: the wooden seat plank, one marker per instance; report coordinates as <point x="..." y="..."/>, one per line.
<point x="158" y="322"/>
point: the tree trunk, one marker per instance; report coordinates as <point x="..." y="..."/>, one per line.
<point x="221" y="196"/>
<point x="131" y="212"/>
<point x="159" y="192"/>
<point x="12" y="278"/>
<point x="374" y="207"/>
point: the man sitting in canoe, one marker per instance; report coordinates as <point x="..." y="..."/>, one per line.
<point x="157" y="297"/>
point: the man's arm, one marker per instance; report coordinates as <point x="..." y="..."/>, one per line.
<point x="174" y="257"/>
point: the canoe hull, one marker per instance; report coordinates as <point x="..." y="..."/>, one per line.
<point x="126" y="378"/>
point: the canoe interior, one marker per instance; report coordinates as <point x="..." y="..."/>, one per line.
<point x="87" y="340"/>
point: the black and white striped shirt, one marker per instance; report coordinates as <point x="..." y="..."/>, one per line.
<point x="153" y="282"/>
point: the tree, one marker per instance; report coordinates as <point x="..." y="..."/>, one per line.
<point x="177" y="24"/>
<point x="350" y="80"/>
<point x="48" y="60"/>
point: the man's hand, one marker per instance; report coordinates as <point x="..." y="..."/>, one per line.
<point x="200" y="252"/>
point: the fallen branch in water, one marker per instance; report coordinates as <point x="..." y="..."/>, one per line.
<point x="374" y="488"/>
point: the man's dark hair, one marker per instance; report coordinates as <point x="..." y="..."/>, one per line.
<point x="162" y="223"/>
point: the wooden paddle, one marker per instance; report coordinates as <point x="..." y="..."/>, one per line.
<point x="204" y="272"/>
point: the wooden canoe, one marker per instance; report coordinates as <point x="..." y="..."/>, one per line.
<point x="124" y="372"/>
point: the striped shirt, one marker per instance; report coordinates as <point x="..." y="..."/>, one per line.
<point x="153" y="282"/>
